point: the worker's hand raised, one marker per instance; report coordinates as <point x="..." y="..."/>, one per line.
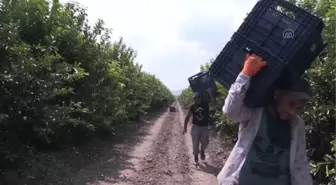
<point x="253" y="64"/>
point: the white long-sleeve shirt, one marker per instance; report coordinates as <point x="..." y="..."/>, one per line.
<point x="249" y="121"/>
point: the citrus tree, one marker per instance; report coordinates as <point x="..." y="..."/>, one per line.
<point x="62" y="81"/>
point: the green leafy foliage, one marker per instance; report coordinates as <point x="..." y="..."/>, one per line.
<point x="320" y="114"/>
<point x="63" y="81"/>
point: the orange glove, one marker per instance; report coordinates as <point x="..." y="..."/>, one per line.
<point x="253" y="64"/>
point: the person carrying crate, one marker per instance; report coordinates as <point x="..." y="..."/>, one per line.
<point x="200" y="128"/>
<point x="271" y="146"/>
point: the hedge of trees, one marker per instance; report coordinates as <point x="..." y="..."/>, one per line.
<point x="64" y="81"/>
<point x="320" y="114"/>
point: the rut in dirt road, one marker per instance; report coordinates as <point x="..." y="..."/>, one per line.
<point x="168" y="161"/>
<point x="153" y="153"/>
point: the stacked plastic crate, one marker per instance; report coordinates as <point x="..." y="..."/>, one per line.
<point x="287" y="37"/>
<point x="204" y="84"/>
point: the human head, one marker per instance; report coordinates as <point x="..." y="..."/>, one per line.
<point x="197" y="97"/>
<point x="290" y="97"/>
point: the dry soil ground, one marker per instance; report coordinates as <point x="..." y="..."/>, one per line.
<point x="152" y="153"/>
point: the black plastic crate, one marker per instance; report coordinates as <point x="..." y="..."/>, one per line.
<point x="305" y="55"/>
<point x="229" y="63"/>
<point x="202" y="81"/>
<point x="263" y="33"/>
<point x="280" y="28"/>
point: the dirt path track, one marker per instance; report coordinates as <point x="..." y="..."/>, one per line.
<point x="164" y="161"/>
<point x="155" y="154"/>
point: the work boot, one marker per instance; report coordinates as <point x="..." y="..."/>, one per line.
<point x="202" y="155"/>
<point x="196" y="159"/>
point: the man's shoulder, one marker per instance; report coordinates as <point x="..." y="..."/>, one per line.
<point x="299" y="122"/>
<point x="299" y="119"/>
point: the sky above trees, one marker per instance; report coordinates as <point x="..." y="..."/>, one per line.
<point x="172" y="37"/>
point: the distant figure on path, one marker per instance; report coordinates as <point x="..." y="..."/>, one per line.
<point x="200" y="130"/>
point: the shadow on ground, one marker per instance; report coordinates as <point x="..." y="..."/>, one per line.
<point x="100" y="161"/>
<point x="210" y="169"/>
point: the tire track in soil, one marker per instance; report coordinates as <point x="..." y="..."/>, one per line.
<point x="168" y="161"/>
<point x="160" y="155"/>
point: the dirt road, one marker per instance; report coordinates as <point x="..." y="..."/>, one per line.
<point x="155" y="154"/>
